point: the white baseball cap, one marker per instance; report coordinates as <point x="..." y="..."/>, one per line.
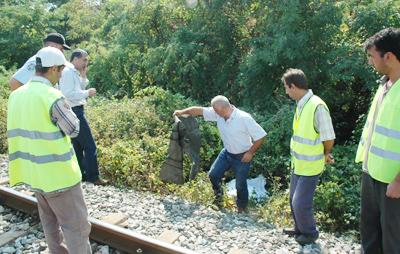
<point x="49" y="57"/>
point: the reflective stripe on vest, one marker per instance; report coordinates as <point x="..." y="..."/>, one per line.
<point x="384" y="153"/>
<point x="34" y="134"/>
<point x="307" y="157"/>
<point x="39" y="154"/>
<point x="42" y="158"/>
<point x="307" y="141"/>
<point x="387" y="132"/>
<point x="306" y="146"/>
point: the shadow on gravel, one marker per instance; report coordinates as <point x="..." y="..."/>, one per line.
<point x="178" y="210"/>
<point x="224" y="219"/>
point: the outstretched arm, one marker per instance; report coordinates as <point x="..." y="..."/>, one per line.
<point x="193" y="111"/>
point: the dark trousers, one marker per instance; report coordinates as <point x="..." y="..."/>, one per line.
<point x="380" y="218"/>
<point x="85" y="148"/>
<point x="224" y="162"/>
<point x="302" y="189"/>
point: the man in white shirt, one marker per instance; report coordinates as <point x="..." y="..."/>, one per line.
<point x="27" y="71"/>
<point x="241" y="136"/>
<point x="73" y="85"/>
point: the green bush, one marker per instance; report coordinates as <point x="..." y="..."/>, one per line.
<point x="337" y="199"/>
<point x="135" y="163"/>
<point x="132" y="136"/>
<point x="198" y="191"/>
<point x="4" y="93"/>
<point x="3" y="126"/>
<point x="273" y="158"/>
<point x="113" y="120"/>
<point x="5" y="76"/>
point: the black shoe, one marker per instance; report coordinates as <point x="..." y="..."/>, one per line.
<point x="218" y="202"/>
<point x="100" y="182"/>
<point x="306" y="239"/>
<point x="290" y="232"/>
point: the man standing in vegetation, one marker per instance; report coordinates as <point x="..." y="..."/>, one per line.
<point x="379" y="150"/>
<point x="73" y="85"/>
<point x="310" y="147"/>
<point x="39" y="122"/>
<point x="241" y="136"/>
<point x="26" y="72"/>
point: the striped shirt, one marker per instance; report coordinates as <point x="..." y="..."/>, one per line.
<point x="322" y="119"/>
<point x="61" y="113"/>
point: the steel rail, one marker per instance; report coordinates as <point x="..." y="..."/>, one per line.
<point x="117" y="237"/>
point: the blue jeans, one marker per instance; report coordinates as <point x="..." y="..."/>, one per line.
<point x="85" y="148"/>
<point x="224" y="162"/>
<point x="302" y="189"/>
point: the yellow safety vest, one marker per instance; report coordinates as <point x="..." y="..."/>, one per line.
<point x="384" y="153"/>
<point x="39" y="154"/>
<point x="306" y="146"/>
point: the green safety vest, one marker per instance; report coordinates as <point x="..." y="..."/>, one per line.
<point x="384" y="153"/>
<point x="39" y="154"/>
<point x="306" y="146"/>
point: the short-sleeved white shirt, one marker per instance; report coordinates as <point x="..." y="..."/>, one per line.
<point x="238" y="132"/>
<point x="27" y="71"/>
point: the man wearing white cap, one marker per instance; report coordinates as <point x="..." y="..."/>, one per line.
<point x="39" y="126"/>
<point x="27" y="71"/>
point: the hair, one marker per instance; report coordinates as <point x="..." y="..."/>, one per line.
<point x="47" y="43"/>
<point x="43" y="70"/>
<point x="220" y="101"/>
<point x="78" y="53"/>
<point x="295" y="77"/>
<point x="386" y="40"/>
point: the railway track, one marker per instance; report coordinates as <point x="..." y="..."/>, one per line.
<point x="114" y="236"/>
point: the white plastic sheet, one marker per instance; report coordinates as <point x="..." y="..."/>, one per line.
<point x="256" y="187"/>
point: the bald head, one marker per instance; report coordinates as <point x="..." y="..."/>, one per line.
<point x="220" y="101"/>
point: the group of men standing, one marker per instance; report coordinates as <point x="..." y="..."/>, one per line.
<point x="40" y="122"/>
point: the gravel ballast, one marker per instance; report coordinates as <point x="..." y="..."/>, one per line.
<point x="201" y="229"/>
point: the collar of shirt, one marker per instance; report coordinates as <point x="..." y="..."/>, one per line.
<point x="69" y="64"/>
<point x="303" y="100"/>
<point x="42" y="80"/>
<point x="233" y="114"/>
<point x="385" y="82"/>
<point x="72" y="67"/>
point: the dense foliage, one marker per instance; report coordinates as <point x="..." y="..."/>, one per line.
<point x="238" y="48"/>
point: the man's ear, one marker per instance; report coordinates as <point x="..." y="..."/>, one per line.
<point x="390" y="56"/>
<point x="53" y="68"/>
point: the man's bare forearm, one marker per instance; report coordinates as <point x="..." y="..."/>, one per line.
<point x="256" y="145"/>
<point x="14" y="84"/>
<point x="193" y="111"/>
<point x="328" y="145"/>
